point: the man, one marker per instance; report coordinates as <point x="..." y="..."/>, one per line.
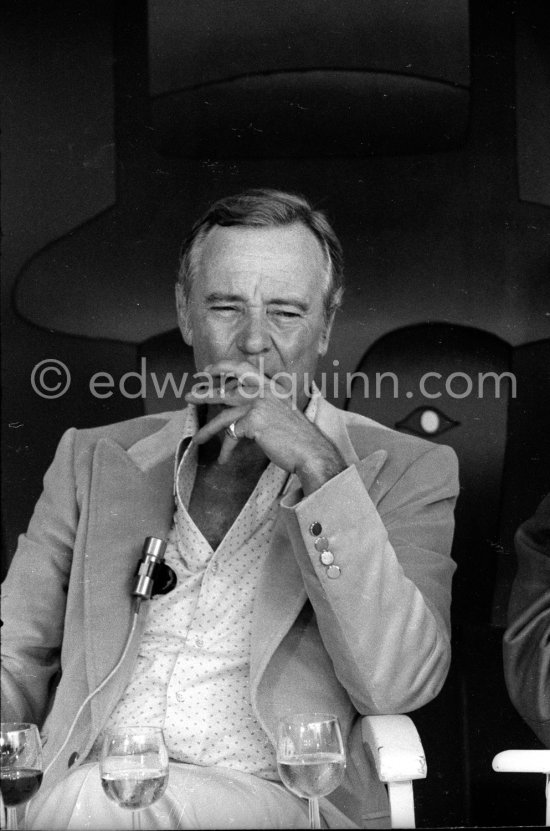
<point x="311" y="549"/>
<point x="527" y="638"/>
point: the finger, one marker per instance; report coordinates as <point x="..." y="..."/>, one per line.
<point x="228" y="446"/>
<point x="243" y="370"/>
<point x="201" y="394"/>
<point x="219" y="423"/>
<point x="214" y="383"/>
<point x="234" y="396"/>
<point x="253" y="381"/>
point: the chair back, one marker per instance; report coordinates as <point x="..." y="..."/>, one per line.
<point x="449" y="384"/>
<point x="492" y="407"/>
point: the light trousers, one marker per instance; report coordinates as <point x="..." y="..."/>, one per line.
<point x="195" y="798"/>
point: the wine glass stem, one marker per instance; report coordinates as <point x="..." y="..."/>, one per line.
<point x="11" y="819"/>
<point x="136" y="820"/>
<point x="314" y="818"/>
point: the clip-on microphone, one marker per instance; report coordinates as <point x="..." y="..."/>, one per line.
<point x="153" y="575"/>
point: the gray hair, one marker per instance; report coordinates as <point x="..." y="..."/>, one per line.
<point x="261" y="208"/>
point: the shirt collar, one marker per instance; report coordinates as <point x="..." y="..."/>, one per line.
<point x="310" y="411"/>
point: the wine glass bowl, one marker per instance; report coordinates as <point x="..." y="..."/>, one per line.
<point x="20" y="766"/>
<point x="310" y="757"/>
<point x="134" y="767"/>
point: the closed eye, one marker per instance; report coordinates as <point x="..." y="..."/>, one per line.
<point x="284" y="313"/>
<point x="226" y="307"/>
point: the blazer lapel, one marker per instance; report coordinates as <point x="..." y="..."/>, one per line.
<point x="131" y="498"/>
<point x="279" y="599"/>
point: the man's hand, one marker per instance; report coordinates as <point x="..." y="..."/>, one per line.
<point x="262" y="411"/>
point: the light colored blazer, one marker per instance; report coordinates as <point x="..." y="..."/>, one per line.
<point x="375" y="640"/>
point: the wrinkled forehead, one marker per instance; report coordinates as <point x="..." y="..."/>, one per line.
<point x="289" y="252"/>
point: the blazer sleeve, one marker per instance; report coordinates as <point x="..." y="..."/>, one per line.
<point x="34" y="593"/>
<point x="526" y="644"/>
<point x="385" y="620"/>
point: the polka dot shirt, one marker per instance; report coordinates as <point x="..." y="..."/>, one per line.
<point x="192" y="673"/>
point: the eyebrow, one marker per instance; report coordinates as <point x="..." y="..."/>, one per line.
<point x="289" y="301"/>
<point x="219" y="297"/>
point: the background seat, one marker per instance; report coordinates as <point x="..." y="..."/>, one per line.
<point x="494" y="430"/>
<point x="446" y="361"/>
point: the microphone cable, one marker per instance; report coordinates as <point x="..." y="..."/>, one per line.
<point x="152" y="556"/>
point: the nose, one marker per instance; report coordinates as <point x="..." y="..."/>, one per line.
<point x="254" y="337"/>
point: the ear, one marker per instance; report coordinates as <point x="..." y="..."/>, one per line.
<point x="182" y="308"/>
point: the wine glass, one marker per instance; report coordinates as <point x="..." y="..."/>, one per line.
<point x="134" y="768"/>
<point x="20" y="766"/>
<point x="310" y="757"/>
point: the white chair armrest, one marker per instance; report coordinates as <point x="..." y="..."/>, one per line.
<point x="396" y="747"/>
<point x="526" y="761"/>
<point x="522" y="761"/>
<point x="399" y="758"/>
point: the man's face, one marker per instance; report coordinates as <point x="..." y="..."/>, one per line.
<point x="258" y="297"/>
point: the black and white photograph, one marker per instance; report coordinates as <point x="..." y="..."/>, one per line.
<point x="275" y="414"/>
